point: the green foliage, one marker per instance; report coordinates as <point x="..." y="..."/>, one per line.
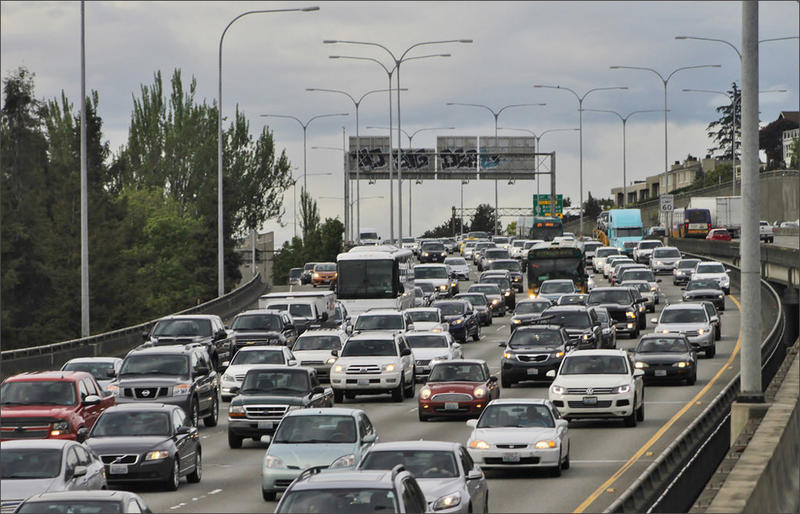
<point x="483" y="219"/>
<point x="447" y="228"/>
<point x="794" y="152"/>
<point x="511" y="229"/>
<point x="770" y="139"/>
<point x="720" y="130"/>
<point x="592" y="207"/>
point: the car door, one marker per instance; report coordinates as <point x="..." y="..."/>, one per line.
<point x="491" y="385"/>
<point x="183" y="442"/>
<point x="202" y="380"/>
<point x="94" y="469"/>
<point x="71" y="482"/>
<point x="90" y="413"/>
<point x="454" y="349"/>
<point x="365" y="428"/>
<point x="477" y="488"/>
<point x="638" y="383"/>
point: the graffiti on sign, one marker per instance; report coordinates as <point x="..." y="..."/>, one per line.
<point x="457" y="158"/>
<point x="371" y="159"/>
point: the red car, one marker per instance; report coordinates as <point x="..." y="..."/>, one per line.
<point x="718" y="234"/>
<point x="50" y="405"/>
<point x="457" y="388"/>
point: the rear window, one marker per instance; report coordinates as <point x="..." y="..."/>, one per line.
<point x="697" y="216"/>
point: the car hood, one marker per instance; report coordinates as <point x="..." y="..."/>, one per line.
<point x="13" y="489"/>
<point x="428" y="353"/>
<point x="661" y="357"/>
<point x="269" y="399"/>
<point x="304" y="456"/>
<point x="527" y="317"/>
<point x="312" y="355"/>
<point x="37" y="411"/>
<point x="611" y="307"/>
<point x="428" y="325"/>
<point x="577" y="331"/>
<point x="452" y="387"/>
<point x="434" y="488"/>
<point x="167" y="340"/>
<point x="715" y="276"/>
<point x="588" y="380"/>
<point x="526" y="435"/>
<point x="150" y="380"/>
<point x="255" y="334"/>
<point x="371" y="359"/>
<point x="667" y="259"/>
<point x="435" y="281"/>
<point x="241" y="369"/>
<point x="680" y="327"/>
<point x="454" y="317"/>
<point x="128" y="444"/>
<point x="459" y="267"/>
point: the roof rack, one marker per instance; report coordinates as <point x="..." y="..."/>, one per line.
<point x="308" y="472"/>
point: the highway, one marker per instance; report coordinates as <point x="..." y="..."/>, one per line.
<point x="606" y="457"/>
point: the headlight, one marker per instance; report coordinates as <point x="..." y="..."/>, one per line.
<point x="389" y="367"/>
<point x="682" y="364"/>
<point x="457" y="321"/>
<point x="508" y="355"/>
<point x="479" y="445"/>
<point x="338" y="368"/>
<point x="720" y="295"/>
<point x="157" y="455"/>
<point x="236" y="411"/>
<point x="331" y="360"/>
<point x="630" y="314"/>
<point x="557" y="389"/>
<point x="447" y="501"/>
<point x="479" y="392"/>
<point x="425" y="254"/>
<point x="653" y="288"/>
<point x="543" y="445"/>
<point x="181" y="389"/>
<point x="494" y="301"/>
<point x="60" y="427"/>
<point x="270" y="461"/>
<point x="558" y="355"/>
<point x="443" y="254"/>
<point x="640" y="365"/>
<point x="531" y="295"/>
<point x="586" y="337"/>
<point x="228" y="378"/>
<point x="516" y="321"/>
<point x="453" y="284"/>
<point x="443" y="287"/>
<point x="665" y="331"/>
<point x="507" y="293"/>
<point x="113" y="389"/>
<point x="316" y="275"/>
<point x="624" y="388"/>
<point x="701" y="331"/>
<point x="659" y="263"/>
<point x="425" y="393"/>
<point x="345" y="461"/>
<point x="685" y="297"/>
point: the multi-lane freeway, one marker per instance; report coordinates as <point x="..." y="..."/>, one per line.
<point x="606" y="457"/>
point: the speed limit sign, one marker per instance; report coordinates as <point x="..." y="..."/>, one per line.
<point x="666" y="203"/>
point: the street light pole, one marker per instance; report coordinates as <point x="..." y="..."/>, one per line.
<point x="84" y="190"/>
<point x="220" y="246"/>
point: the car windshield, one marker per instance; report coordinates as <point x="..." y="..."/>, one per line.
<point x="155" y="364"/>
<point x="591" y="247"/>
<point x="183" y="328"/>
<point x="33" y="463"/>
<point x="309" y="266"/>
<point x="433" y="247"/>
<point x="457" y="372"/>
<point x="531" y="307"/>
<point x="649" y="245"/>
<point x="643" y="287"/>
<point x="300" y="310"/>
<point x="569" y="319"/>
<point x="693" y="285"/>
<point x="316" y="429"/>
<point x="280" y="382"/>
<point x="325" y="267"/>
<point x="687" y="263"/>
<point x="317" y="342"/>
<point x="426" y="287"/>
<point x="38" y="392"/>
<point x="557" y="287"/>
<point x="422" y="463"/>
<point x="518" y="243"/>
<point x="499" y="253"/>
<point x="629" y="244"/>
<point x="509" y="265"/>
<point x="380" y="322"/>
<point x="517" y="416"/>
<point x="419" y="293"/>
<point x="474" y="299"/>
<point x="369" y="348"/>
<point x="72" y="506"/>
<point x="572" y="299"/>
<point x="450" y="308"/>
<point x="258" y="357"/>
<point x="295" y="272"/>
<point x="710" y="268"/>
<point x="419" y="341"/>
<point x="683" y="316"/>
<point x="666" y="253"/>
<point x="359" y="499"/>
<point x="602" y="315"/>
<point x="502" y="283"/>
<point x="98" y="369"/>
<point x="662" y="344"/>
<point x="132" y="423"/>
<point x="524" y="338"/>
<point x="605" y="252"/>
<point x="485" y="289"/>
<point x="455" y="261"/>
<point x="619" y="296"/>
<point x="423" y="316"/>
<point x="429" y="272"/>
<point x="266" y="322"/>
<point x="636" y="274"/>
<point x="594" y="365"/>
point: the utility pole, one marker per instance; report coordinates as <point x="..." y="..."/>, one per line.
<point x="84" y="190"/>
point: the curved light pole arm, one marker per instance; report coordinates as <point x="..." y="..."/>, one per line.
<point x="334" y="91"/>
<point x="402" y="57"/>
<point x="355" y="58"/>
<point x="538" y="86"/>
<point x="519" y="105"/>
<point x="368" y="43"/>
<point x="474" y="105"/>
<point x="778" y="39"/>
<point x="713" y="39"/>
<point x="428" y="128"/>
<point x="602" y="89"/>
<point x="691" y="68"/>
<point x="604" y="110"/>
<point x="325" y="116"/>
<point x="285" y="116"/>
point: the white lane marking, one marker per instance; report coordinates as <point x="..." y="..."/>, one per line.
<point x="681" y="402"/>
<point x="412" y="410"/>
<point x="609" y="461"/>
<point x="215" y="491"/>
<point x="178" y="506"/>
<point x="203" y="437"/>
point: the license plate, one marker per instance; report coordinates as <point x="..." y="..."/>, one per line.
<point x="661" y="373"/>
<point x="118" y="469"/>
<point x="533" y="371"/>
<point x="511" y="457"/>
<point x="262" y="425"/>
<point x="590" y="400"/>
<point x="363" y="381"/>
<point x="451" y="406"/>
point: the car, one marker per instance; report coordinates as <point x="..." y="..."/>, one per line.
<point x="382" y="320"/>
<point x="691" y="320"/>
<point x="432" y="251"/>
<point x="103" y="369"/>
<point x="205" y="329"/>
<point x="480" y="246"/>
<point x="520" y="433"/>
<point x="266" y="395"/>
<point x="35" y="466"/>
<point x="713" y="270"/>
<point x="457" y="388"/>
<point x="461" y="317"/>
<point x="458" y="267"/>
<point x="622" y="305"/>
<point x="445" y="472"/>
<point x="262" y="327"/>
<point x="310" y="438"/>
<point x="704" y="289"/>
<point x="664" y="259"/>
<point x="642" y="274"/>
<point x="553" y="289"/>
<point x="789" y="224"/>
<point x="609" y="331"/>
<point x="480" y="304"/>
<point x="683" y="270"/>
<point x="656" y="231"/>
<point x="427" y="319"/>
<point x="147" y="443"/>
<point x="409" y="243"/>
<point x="437" y="274"/>
<point x="468" y="249"/>
<point x="501" y="241"/>
<point x="429" y="292"/>
<point x="294" y="276"/>
<point x="419" y="297"/>
<point x="177" y="375"/>
<point x="608" y="264"/>
<point x="666" y="357"/>
<point x="50" y="405"/>
<point x="589" y="250"/>
<point x="598" y="384"/>
<point x="514" y="270"/>
<point x="644" y="250"/>
<point x="715" y="316"/>
<point x="324" y="273"/>
<point x="449" y="244"/>
<point x="580" y="322"/>
<point x="516" y="248"/>
<point x="622" y="265"/>
<point x="313" y="350"/>
<point x="341" y="317"/>
<point x="527" y="312"/>
<point x="497" y="303"/>
<point x="640" y="302"/>
<point x="373" y="363"/>
<point x="600" y="255"/>
<point x="308" y="270"/>
<point x="429" y="348"/>
<point x="248" y="358"/>
<point x="503" y="282"/>
<point x="531" y="352"/>
<point x="718" y="234"/>
<point x="84" y="501"/>
<point x="353" y="491"/>
<point x="572" y="299"/>
<point x="492" y="254"/>
<point x="628" y="247"/>
<point x="766" y="232"/>
<point x="645" y="289"/>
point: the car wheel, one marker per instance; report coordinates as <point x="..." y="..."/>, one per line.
<point x="486" y="504"/>
<point x="212" y="419"/>
<point x="692" y="379"/>
<point x="555" y="471"/>
<point x="491" y="319"/>
<point x="338" y="396"/>
<point x="640" y="412"/>
<point x="234" y="441"/>
<point x="630" y="421"/>
<point x="174" y="480"/>
<point x="423" y="417"/>
<point x="409" y="391"/>
<point x="269" y="496"/>
<point x="397" y="393"/>
<point x="710" y="352"/>
<point x="565" y="464"/>
<point x="477" y="335"/>
<point x="350" y="396"/>
<point x="505" y="384"/>
<point x="226" y="399"/>
<point x="195" y="476"/>
<point x="195" y="413"/>
<point x="717" y="334"/>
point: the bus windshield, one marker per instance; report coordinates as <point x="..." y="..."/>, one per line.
<point x="554" y="263"/>
<point x="546" y="229"/>
<point x="366" y="279"/>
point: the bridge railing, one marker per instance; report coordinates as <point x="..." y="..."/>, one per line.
<point x="677" y="477"/>
<point x="118" y="342"/>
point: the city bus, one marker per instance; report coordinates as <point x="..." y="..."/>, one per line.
<point x="546" y="262"/>
<point x="691" y="223"/>
<point x="546" y="228"/>
<point x="374" y="277"/>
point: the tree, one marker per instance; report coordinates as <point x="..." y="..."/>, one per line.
<point x="794" y="151"/>
<point x="592" y="207"/>
<point x="309" y="215"/>
<point x="331" y="234"/>
<point x="770" y="139"/>
<point x="483" y="219"/>
<point x="511" y="229"/>
<point x="446" y="228"/>
<point x="567" y="202"/>
<point x="720" y="130"/>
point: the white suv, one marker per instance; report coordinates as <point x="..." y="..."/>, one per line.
<point x="713" y="270"/>
<point x="598" y="384"/>
<point x="644" y="248"/>
<point x="373" y="363"/>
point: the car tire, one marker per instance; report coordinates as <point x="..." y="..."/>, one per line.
<point x="194" y="414"/>
<point x="234" y="441"/>
<point x="269" y="496"/>
<point x="174" y="480"/>
<point x="338" y="396"/>
<point x="397" y="393"/>
<point x="555" y="471"/>
<point x="350" y="396"/>
<point x="226" y="399"/>
<point x="505" y="384"/>
<point x="630" y="421"/>
<point x="410" y="390"/>
<point x="710" y="352"/>
<point x="717" y="334"/>
<point x="486" y="504"/>
<point x="477" y="335"/>
<point x="565" y="464"/>
<point x="213" y="418"/>
<point x="640" y="412"/>
<point x="423" y="417"/>
<point x="692" y="379"/>
<point x="196" y="475"/>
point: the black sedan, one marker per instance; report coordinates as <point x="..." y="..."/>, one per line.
<point x="528" y="311"/>
<point x="147" y="442"/>
<point x="531" y="352"/>
<point x="704" y="289"/>
<point x="666" y="357"/>
<point x="461" y="317"/>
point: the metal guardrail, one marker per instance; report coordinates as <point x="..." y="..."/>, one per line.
<point x="52" y="356"/>
<point x="678" y="475"/>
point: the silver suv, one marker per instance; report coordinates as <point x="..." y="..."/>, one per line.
<point x="691" y="320"/>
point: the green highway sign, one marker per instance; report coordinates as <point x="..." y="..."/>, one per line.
<point x="541" y="205"/>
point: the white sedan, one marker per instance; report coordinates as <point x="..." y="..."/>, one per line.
<point x="429" y="348"/>
<point x="520" y="433"/>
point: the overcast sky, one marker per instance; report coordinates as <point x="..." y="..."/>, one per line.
<point x="269" y="60"/>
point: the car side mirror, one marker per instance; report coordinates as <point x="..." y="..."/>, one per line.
<point x="324" y="316"/>
<point x="92" y="399"/>
<point x="291" y="362"/>
<point x="456" y="345"/>
<point x="405" y="351"/>
<point x="220" y="334"/>
<point x="78" y="471"/>
<point x="335" y="353"/>
<point x="349" y="329"/>
<point x="111" y="373"/>
<point x="472" y="423"/>
<point x="235" y="390"/>
<point x="410" y="327"/>
<point x="183" y="429"/>
<point x="563" y="423"/>
<point x="551" y="374"/>
<point x="82" y="435"/>
<point x="475" y="474"/>
<point x="369" y="438"/>
<point x="658" y="280"/>
<point x="201" y="370"/>
<point x="654" y="320"/>
<point x="493" y="378"/>
<point x="638" y="372"/>
<point x="727" y="270"/>
<point x="145" y="336"/>
<point x="225" y="364"/>
<point x="318" y="390"/>
<point x="501" y="344"/>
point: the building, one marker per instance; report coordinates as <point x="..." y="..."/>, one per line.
<point x="265" y="250"/>
<point x="681" y="174"/>
<point x="789" y="136"/>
